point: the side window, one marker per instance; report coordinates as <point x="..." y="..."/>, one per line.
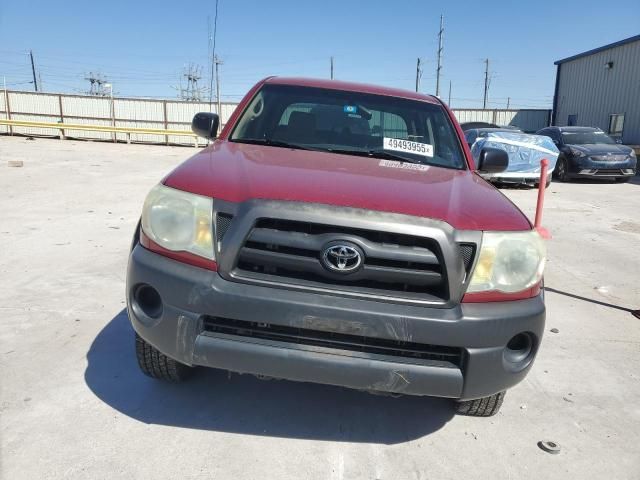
<point x="572" y="120"/>
<point x="616" y="124"/>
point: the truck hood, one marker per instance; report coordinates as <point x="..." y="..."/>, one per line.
<point x="237" y="172"/>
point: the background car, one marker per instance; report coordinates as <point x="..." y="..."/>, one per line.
<point x="471" y="134"/>
<point x="589" y="152"/>
<point x="525" y="153"/>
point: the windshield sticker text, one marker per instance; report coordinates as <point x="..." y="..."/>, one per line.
<point x="407" y="146"/>
<point x="403" y="166"/>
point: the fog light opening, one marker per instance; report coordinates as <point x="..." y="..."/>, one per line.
<point x="519" y="350"/>
<point x="148" y="300"/>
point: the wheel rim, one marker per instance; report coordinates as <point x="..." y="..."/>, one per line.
<point x="562" y="171"/>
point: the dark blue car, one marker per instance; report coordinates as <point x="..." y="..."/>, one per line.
<point x="587" y="152"/>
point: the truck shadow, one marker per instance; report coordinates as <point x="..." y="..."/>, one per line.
<point x="214" y="400"/>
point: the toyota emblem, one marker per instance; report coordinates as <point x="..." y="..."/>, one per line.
<point x="342" y="258"/>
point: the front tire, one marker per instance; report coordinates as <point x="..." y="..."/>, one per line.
<point x="480" y="407"/>
<point x="156" y="364"/>
<point x="562" y="169"/>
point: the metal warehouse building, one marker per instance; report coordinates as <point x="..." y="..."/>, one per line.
<point x="601" y="88"/>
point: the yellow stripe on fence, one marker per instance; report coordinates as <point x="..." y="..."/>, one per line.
<point x="98" y="128"/>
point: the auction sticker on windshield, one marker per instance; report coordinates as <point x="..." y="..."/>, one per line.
<point x="407" y="146"/>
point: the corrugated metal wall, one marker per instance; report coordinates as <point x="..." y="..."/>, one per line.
<point x="174" y="115"/>
<point x="526" y="120"/>
<point x="592" y="92"/>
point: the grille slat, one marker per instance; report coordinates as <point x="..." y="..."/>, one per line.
<point x="448" y="356"/>
<point x="312" y="265"/>
<point x="315" y="242"/>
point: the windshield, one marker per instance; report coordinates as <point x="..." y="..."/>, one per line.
<point x="584" y="138"/>
<point x="350" y="123"/>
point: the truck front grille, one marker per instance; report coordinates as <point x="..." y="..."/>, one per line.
<point x="442" y="355"/>
<point x="398" y="265"/>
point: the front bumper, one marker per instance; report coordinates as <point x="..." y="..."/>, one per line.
<point x="189" y="294"/>
<point x="528" y="178"/>
<point x="589" y="168"/>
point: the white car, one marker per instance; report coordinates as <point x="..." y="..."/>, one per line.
<point x="525" y="153"/>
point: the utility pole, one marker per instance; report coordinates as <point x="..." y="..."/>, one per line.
<point x="449" y="102"/>
<point x="486" y="83"/>
<point x="7" y="111"/>
<point x="218" y="62"/>
<point x="33" y="71"/>
<point x="331" y="67"/>
<point x="418" y="75"/>
<point x="508" y="102"/>
<point x="113" y="110"/>
<point x="440" y="33"/>
<point x="212" y="52"/>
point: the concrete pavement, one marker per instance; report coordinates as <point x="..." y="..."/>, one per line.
<point x="74" y="405"/>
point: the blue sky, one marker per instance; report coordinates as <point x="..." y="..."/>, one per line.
<point x="142" y="47"/>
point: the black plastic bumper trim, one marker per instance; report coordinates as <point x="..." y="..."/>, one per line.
<point x="188" y="293"/>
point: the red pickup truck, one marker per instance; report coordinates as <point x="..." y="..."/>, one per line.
<point x="339" y="233"/>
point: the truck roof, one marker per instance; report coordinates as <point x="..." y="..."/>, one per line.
<point x="352" y="87"/>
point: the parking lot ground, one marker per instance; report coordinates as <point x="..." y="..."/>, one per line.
<point x="74" y="405"/>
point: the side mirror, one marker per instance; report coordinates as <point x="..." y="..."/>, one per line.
<point x="492" y="160"/>
<point x="205" y="124"/>
<point x="618" y="141"/>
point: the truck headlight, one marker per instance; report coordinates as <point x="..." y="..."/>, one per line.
<point x="508" y="262"/>
<point x="179" y="221"/>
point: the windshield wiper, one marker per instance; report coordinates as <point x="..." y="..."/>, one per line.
<point x="272" y="143"/>
<point x="377" y="153"/>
